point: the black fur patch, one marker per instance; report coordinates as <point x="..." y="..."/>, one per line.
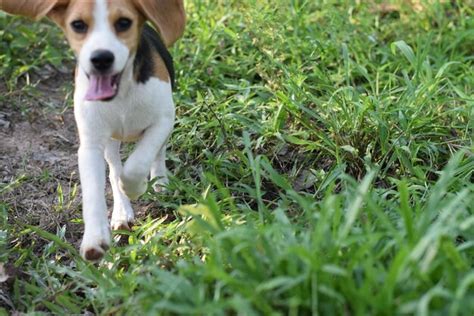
<point x="143" y="64"/>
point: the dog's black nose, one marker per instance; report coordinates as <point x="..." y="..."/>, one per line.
<point x="102" y="60"/>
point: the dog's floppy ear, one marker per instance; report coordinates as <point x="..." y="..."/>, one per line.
<point x="167" y="16"/>
<point x="35" y="9"/>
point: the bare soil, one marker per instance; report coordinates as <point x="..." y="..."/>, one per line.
<point x="38" y="160"/>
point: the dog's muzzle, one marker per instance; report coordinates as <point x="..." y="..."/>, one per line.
<point x="103" y="86"/>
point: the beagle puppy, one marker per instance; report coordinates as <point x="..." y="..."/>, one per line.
<point x="123" y="92"/>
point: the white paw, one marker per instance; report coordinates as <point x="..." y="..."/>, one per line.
<point x="133" y="189"/>
<point x="95" y="243"/>
<point x="122" y="218"/>
<point x="160" y="184"/>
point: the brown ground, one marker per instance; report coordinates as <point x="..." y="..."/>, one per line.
<point x="38" y="145"/>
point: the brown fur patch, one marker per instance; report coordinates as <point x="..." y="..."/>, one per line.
<point x="32" y="9"/>
<point x="160" y="70"/>
<point x="168" y="16"/>
<point x="125" y="9"/>
<point x="77" y="10"/>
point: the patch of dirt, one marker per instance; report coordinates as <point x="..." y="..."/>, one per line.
<point x="38" y="160"/>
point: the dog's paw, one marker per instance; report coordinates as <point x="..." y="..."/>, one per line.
<point x="160" y="184"/>
<point x="122" y="215"/>
<point x="122" y="223"/>
<point x="95" y="252"/>
<point x="95" y="244"/>
<point x="132" y="189"/>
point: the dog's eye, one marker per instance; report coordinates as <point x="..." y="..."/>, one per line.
<point x="123" y="24"/>
<point x="79" y="26"/>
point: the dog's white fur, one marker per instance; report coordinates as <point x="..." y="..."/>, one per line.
<point x="138" y="109"/>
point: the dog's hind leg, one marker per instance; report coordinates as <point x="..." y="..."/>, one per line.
<point x="158" y="170"/>
<point x="122" y="214"/>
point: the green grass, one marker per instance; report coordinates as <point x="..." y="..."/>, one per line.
<point x="322" y="164"/>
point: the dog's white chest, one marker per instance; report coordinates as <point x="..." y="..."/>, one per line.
<point x="125" y="118"/>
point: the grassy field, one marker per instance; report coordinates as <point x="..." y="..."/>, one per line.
<point x="322" y="164"/>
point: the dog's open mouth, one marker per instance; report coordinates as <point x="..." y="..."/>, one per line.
<point x="102" y="87"/>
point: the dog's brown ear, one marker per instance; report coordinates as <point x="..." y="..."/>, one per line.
<point x="167" y="16"/>
<point x="35" y="9"/>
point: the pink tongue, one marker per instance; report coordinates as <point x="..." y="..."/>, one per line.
<point x="100" y="88"/>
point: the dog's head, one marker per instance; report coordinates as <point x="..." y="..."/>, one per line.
<point x="104" y="34"/>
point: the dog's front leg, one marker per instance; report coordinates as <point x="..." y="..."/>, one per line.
<point x="133" y="181"/>
<point x="96" y="238"/>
